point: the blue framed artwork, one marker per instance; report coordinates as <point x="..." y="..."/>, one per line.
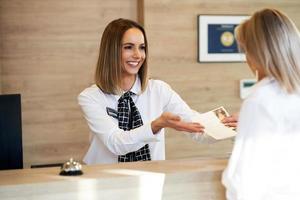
<point x="216" y="41"/>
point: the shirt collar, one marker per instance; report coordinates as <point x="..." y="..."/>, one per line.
<point x="136" y="88"/>
<point x="265" y="81"/>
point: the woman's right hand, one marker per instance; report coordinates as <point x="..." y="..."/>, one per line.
<point x="169" y="120"/>
<point x="231" y="121"/>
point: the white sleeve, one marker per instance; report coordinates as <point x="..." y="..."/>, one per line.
<point x="251" y="157"/>
<point x="175" y="104"/>
<point x="202" y="138"/>
<point x="256" y="119"/>
<point x="116" y="140"/>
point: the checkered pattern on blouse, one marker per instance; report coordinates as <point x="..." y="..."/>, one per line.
<point x="130" y="118"/>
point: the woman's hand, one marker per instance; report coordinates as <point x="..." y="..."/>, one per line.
<point x="231" y="121"/>
<point x="170" y="120"/>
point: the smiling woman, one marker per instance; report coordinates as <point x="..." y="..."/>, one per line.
<point x="126" y="112"/>
<point x="133" y="56"/>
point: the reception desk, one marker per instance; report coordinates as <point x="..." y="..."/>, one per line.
<point x="169" y="180"/>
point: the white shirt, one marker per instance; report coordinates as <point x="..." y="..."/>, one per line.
<point x="265" y="162"/>
<point x="108" y="140"/>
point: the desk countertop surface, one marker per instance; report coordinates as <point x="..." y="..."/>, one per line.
<point x="195" y="178"/>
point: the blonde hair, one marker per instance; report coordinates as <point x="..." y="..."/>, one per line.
<point x="109" y="67"/>
<point x="272" y="40"/>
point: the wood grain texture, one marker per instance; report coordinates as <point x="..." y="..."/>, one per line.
<point x="172" y="33"/>
<point x="49" y="51"/>
<point x="169" y="180"/>
<point x="140" y="12"/>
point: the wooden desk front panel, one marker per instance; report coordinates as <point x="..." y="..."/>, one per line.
<point x="181" y="179"/>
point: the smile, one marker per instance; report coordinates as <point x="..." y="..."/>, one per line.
<point x="133" y="63"/>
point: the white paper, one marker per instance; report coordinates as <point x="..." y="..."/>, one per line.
<point x="213" y="125"/>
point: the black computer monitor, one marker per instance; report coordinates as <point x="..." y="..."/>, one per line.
<point x="11" y="153"/>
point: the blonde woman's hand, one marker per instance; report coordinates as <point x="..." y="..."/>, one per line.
<point x="231" y="121"/>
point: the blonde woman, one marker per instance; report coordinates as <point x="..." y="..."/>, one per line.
<point x="265" y="162"/>
<point x="126" y="112"/>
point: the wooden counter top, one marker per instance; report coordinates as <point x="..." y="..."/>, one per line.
<point x="173" y="179"/>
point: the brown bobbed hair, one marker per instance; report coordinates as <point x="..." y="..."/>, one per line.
<point x="108" y="70"/>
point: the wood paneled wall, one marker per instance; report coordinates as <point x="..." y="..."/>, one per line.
<point x="49" y="51"/>
<point x="171" y="26"/>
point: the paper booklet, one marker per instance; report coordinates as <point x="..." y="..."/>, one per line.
<point x="213" y="126"/>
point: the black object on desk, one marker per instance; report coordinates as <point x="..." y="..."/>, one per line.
<point x="11" y="151"/>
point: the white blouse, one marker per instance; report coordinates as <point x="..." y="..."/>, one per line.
<point x="108" y="140"/>
<point x="265" y="162"/>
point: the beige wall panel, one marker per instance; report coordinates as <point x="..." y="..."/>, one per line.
<point x="172" y="33"/>
<point x="49" y="49"/>
<point x="48" y="54"/>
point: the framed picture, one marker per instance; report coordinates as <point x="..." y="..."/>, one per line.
<point x="216" y="41"/>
